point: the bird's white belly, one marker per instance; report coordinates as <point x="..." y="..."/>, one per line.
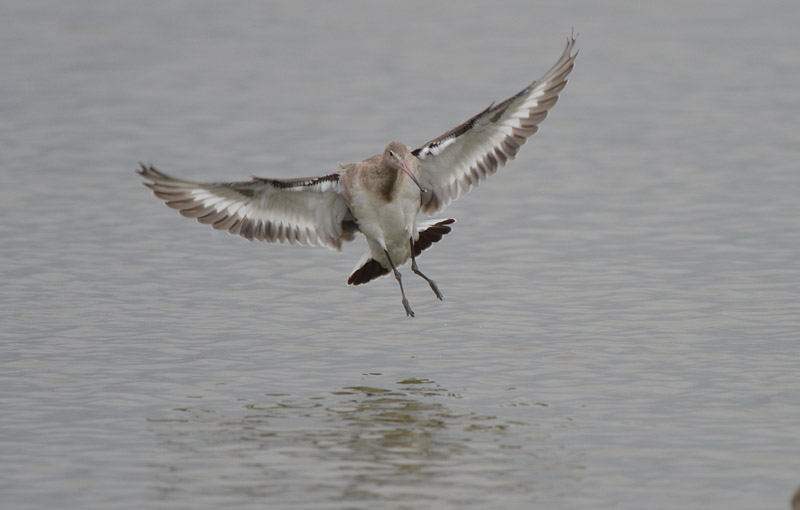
<point x="389" y="225"/>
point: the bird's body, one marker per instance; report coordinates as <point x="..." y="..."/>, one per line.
<point x="381" y="196"/>
<point x="385" y="204"/>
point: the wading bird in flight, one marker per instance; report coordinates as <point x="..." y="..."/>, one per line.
<point x="379" y="197"/>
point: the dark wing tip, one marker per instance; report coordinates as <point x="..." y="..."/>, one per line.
<point x="366" y="273"/>
<point x="151" y="173"/>
<point x="432" y="234"/>
<point x="143" y="169"/>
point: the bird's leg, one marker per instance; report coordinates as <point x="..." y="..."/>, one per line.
<point x="434" y="287"/>
<point x="397" y="276"/>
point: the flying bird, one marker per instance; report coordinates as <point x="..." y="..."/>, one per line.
<point x="381" y="196"/>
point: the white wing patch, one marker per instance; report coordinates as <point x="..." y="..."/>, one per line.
<point x="435" y="148"/>
<point x="304" y="211"/>
<point x="459" y="159"/>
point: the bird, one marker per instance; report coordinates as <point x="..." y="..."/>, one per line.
<point x="380" y="197"/>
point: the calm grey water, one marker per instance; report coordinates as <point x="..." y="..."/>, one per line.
<point x="621" y="326"/>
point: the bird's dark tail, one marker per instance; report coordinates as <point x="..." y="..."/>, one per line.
<point x="430" y="232"/>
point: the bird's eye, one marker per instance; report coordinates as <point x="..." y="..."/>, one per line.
<point x="391" y="153"/>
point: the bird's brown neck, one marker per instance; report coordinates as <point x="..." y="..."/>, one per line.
<point x="387" y="185"/>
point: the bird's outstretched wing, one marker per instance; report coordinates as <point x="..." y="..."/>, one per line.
<point x="305" y="211"/>
<point x="461" y="158"/>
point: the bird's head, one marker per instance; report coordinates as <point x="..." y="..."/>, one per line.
<point x="398" y="156"/>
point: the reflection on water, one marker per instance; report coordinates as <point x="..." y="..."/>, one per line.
<point x="356" y="444"/>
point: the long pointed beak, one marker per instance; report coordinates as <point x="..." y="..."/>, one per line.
<point x="408" y="173"/>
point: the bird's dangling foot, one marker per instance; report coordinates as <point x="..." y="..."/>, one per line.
<point x="415" y="268"/>
<point x="399" y="279"/>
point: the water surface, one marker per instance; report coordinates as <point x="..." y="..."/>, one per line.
<point x="622" y="308"/>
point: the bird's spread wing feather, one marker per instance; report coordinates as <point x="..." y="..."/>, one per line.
<point x="461" y="158"/>
<point x="305" y="211"/>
